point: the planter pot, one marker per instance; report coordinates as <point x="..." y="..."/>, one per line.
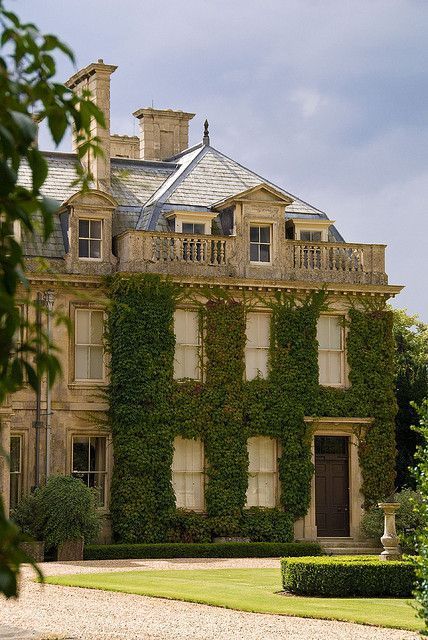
<point x="35" y="550"/>
<point x="70" y="550"/>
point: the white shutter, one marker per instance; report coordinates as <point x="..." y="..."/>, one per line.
<point x="257" y="346"/>
<point x="186" y="329"/>
<point x="263" y="472"/>
<point x="188" y="474"/>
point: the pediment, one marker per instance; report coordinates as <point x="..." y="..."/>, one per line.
<point x="92" y="199"/>
<point x="260" y="193"/>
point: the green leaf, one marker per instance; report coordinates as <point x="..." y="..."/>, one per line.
<point x="39" y="168"/>
<point x="26" y="125"/>
<point x="57" y="123"/>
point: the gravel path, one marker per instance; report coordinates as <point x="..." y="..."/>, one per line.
<point x="48" y="611"/>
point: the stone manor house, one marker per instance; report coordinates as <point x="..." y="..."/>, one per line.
<point x="201" y="219"/>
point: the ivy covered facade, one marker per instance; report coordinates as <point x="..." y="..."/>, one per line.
<point x="229" y="372"/>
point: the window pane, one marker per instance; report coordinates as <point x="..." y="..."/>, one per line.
<point x="335" y="368"/>
<point x="265" y="234"/>
<point x="82" y="362"/>
<point x="305" y="236"/>
<point x="95" y="249"/>
<point x="323" y="367"/>
<point x="83" y="248"/>
<point x="191" y="362"/>
<point x="97" y="326"/>
<point x="80" y="454"/>
<point x="264" y="253"/>
<point x="316" y="236"/>
<point x="335" y="333"/>
<point x="83" y="228"/>
<point x="323" y="332"/>
<point x="83" y="318"/>
<point x="96" y="229"/>
<point x="15" y="489"/>
<point x="254" y="234"/>
<point x="96" y="363"/>
<point x="15" y="454"/>
<point x="254" y="253"/>
<point x="187" y="227"/>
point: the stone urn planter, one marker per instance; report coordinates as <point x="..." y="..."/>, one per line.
<point x="70" y="550"/>
<point x="34" y="549"/>
<point x="389" y="539"/>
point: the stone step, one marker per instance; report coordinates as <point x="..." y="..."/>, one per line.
<point x="352" y="551"/>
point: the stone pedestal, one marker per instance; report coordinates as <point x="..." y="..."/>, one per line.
<point x="389" y="540"/>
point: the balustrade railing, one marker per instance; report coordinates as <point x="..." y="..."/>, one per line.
<point x="189" y="249"/>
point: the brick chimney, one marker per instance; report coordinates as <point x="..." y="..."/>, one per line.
<point x="163" y="132"/>
<point x="96" y="79"/>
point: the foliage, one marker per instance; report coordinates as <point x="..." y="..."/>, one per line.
<point x="148" y="409"/>
<point x="141" y="343"/>
<point x="12" y="555"/>
<point x="411" y="358"/>
<point x="61" y="510"/>
<point x="211" y="550"/>
<point x="408" y="520"/>
<point x="27" y="86"/>
<point x="352" y="576"/>
<point x="421" y="474"/>
<point x="190" y="527"/>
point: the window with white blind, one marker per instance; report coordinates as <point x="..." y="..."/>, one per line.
<point x="188" y="474"/>
<point x="331" y="351"/>
<point x="88" y="344"/>
<point x="187" y="345"/>
<point x="262" y="490"/>
<point x="257" y="346"/>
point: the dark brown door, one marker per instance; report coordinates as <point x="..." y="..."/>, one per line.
<point x="332" y="485"/>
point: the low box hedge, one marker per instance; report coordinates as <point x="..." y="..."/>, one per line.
<point x="364" y="576"/>
<point x="209" y="550"/>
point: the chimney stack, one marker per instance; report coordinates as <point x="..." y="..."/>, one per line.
<point x="96" y="79"/>
<point x="163" y="132"/>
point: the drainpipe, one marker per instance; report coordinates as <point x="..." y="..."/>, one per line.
<point x="48" y="300"/>
<point x="38" y="423"/>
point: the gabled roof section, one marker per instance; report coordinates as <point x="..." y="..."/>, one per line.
<point x="262" y="191"/>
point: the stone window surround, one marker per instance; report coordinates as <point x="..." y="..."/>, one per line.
<point x="91" y="433"/>
<point x="72" y="382"/>
<point x="305" y="528"/>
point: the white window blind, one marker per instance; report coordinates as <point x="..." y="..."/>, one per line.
<point x="88" y="338"/>
<point x="262" y="472"/>
<point x="257" y="346"/>
<point x="330" y="351"/>
<point x="187" y="344"/>
<point x="188" y="474"/>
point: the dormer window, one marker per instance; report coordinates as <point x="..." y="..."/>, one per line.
<point x="193" y="228"/>
<point x="311" y="236"/>
<point x="90" y="239"/>
<point x="260" y="243"/>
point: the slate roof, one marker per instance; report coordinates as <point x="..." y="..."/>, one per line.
<point x="195" y="179"/>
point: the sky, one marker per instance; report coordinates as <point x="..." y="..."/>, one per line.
<point x="326" y="98"/>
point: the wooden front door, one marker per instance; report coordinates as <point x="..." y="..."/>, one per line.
<point x="332" y="485"/>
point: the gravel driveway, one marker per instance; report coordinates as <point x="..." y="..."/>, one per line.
<point x="48" y="611"/>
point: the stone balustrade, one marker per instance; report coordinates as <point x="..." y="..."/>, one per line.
<point x="205" y="255"/>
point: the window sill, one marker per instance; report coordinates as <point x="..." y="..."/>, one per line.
<point x="90" y="384"/>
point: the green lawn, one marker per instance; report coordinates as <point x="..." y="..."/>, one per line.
<point x="247" y="590"/>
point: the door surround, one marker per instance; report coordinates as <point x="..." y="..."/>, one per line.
<point x="305" y="528"/>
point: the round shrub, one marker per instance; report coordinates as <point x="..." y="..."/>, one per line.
<point x="63" y="509"/>
<point x="348" y="576"/>
<point x="408" y="519"/>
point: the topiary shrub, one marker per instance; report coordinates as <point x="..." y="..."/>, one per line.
<point x="267" y="525"/>
<point x="341" y="577"/>
<point x="421" y="475"/>
<point x="187" y="526"/>
<point x="63" y="509"/>
<point x="408" y="519"/>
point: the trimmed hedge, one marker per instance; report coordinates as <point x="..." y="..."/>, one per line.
<point x="211" y="550"/>
<point x="342" y="577"/>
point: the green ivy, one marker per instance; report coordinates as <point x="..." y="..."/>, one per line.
<point x="148" y="409"/>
